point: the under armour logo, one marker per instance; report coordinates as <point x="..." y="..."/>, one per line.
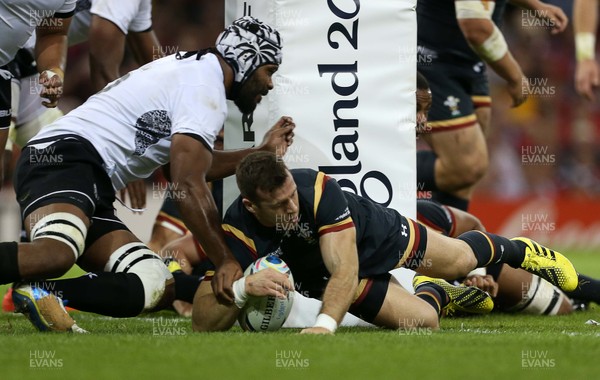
<point x="91" y="275"/>
<point x="404" y="230"/>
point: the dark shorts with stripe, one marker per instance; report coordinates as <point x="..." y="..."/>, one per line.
<point x="5" y="97"/>
<point x="436" y="216"/>
<point x="457" y="90"/>
<point x="69" y="170"/>
<point x="23" y="65"/>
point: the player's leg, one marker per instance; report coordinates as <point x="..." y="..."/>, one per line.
<point x="56" y="190"/>
<point x="436" y="255"/>
<point x="383" y="302"/>
<point x="125" y="278"/>
<point x="167" y="227"/>
<point x="447" y="220"/>
<point x="208" y="314"/>
<point x="459" y="156"/>
<point x="523" y="292"/>
<point x="516" y="286"/>
<point x="188" y="264"/>
<point x="398" y="309"/>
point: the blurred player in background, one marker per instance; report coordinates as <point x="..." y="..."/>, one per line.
<point x="456" y="39"/>
<point x="67" y="176"/>
<point x="108" y="26"/>
<point x="585" y="25"/>
<point x="18" y="22"/>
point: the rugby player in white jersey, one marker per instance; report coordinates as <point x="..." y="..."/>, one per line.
<point x="108" y="26"/>
<point x="167" y="112"/>
<point x="18" y="21"/>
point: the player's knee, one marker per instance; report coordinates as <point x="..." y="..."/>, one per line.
<point x="431" y="320"/>
<point x="427" y="319"/>
<point x="156" y="279"/>
<point x="471" y="173"/>
<point x="462" y="262"/>
<point x="62" y="235"/>
<point x="58" y="260"/>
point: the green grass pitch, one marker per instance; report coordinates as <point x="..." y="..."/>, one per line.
<point x="162" y="346"/>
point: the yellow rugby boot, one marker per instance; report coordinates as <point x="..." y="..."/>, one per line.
<point x="465" y="299"/>
<point x="549" y="265"/>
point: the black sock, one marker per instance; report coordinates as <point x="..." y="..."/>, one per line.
<point x="451" y="200"/>
<point x="185" y="286"/>
<point x="493" y="249"/>
<point x="114" y="294"/>
<point x="9" y="262"/>
<point x="588" y="290"/>
<point x="426" y="170"/>
<point x="434" y="295"/>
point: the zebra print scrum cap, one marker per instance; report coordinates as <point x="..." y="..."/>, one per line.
<point x="246" y="45"/>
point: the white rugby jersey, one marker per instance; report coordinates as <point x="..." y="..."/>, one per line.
<point x="18" y="20"/>
<point x="127" y="15"/>
<point x="131" y="121"/>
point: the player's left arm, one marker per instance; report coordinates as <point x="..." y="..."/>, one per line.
<point x="51" y="57"/>
<point x="340" y="256"/>
<point x="554" y="14"/>
<point x="107" y="46"/>
<point x="276" y="140"/>
<point x="487" y="41"/>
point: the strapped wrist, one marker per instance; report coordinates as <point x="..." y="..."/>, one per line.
<point x="326" y="322"/>
<point x="54" y="71"/>
<point x="239" y="292"/>
<point x="585" y="46"/>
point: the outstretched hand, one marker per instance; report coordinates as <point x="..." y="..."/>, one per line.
<point x="557" y="17"/>
<point x="136" y="191"/>
<point x="587" y="78"/>
<point x="279" y="137"/>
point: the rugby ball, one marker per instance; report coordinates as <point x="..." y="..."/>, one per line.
<point x="266" y="313"/>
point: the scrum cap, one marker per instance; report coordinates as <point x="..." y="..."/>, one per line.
<point x="246" y="45"/>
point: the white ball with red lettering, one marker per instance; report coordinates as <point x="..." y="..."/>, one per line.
<point x="266" y="313"/>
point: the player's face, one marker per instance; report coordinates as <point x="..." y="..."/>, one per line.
<point x="279" y="208"/>
<point x="423" y="105"/>
<point x="255" y="87"/>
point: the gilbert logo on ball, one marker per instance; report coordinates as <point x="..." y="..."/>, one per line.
<point x="266" y="313"/>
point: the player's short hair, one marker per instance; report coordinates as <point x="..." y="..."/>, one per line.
<point x="422" y="83"/>
<point x="260" y="170"/>
<point x="246" y="45"/>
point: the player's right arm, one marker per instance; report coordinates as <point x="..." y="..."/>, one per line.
<point x="190" y="162"/>
<point x="209" y="315"/>
<point x="484" y="37"/>
<point x="585" y="23"/>
<point x="340" y="255"/>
